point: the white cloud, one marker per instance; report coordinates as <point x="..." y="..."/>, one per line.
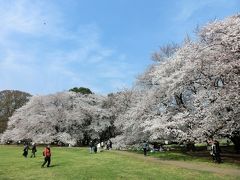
<point x="39" y="55"/>
<point x="187" y="8"/>
<point x="24" y="16"/>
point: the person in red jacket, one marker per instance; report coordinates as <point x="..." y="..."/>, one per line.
<point x="47" y="156"/>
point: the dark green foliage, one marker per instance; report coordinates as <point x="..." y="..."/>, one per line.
<point x="10" y="100"/>
<point x="82" y="90"/>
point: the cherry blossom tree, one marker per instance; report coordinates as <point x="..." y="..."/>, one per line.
<point x="190" y="94"/>
<point x="194" y="95"/>
<point x="68" y="117"/>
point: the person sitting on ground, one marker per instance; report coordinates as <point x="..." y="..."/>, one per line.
<point x="47" y="156"/>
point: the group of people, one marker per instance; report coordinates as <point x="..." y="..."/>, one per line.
<point x="26" y="148"/>
<point x="94" y="147"/>
<point x="46" y="153"/>
<point x="215" y="150"/>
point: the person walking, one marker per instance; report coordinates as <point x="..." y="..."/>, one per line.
<point x="25" y="150"/>
<point x="34" y="150"/>
<point x="145" y="148"/>
<point x="47" y="156"/>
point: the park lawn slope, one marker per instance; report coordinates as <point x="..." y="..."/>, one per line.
<point x="77" y="163"/>
<point x="193" y="157"/>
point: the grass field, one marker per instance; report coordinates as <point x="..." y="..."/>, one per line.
<point x="194" y="157"/>
<point x="77" y="163"/>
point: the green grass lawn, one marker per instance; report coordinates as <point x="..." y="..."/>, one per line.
<point x="191" y="157"/>
<point x="77" y="163"/>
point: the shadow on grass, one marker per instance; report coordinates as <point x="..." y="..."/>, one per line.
<point x="197" y="156"/>
<point x="54" y="165"/>
<point x="51" y="166"/>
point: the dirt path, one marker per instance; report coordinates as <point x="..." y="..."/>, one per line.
<point x="188" y="165"/>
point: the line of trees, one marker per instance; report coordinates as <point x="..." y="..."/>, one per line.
<point x="191" y="93"/>
<point x="62" y="118"/>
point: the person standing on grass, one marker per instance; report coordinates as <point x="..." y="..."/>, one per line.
<point x="107" y="145"/>
<point x="25" y="150"/>
<point x="110" y="144"/>
<point x="99" y="147"/>
<point x="145" y="148"/>
<point x="47" y="156"/>
<point x="95" y="148"/>
<point x="217" y="151"/>
<point x="91" y="146"/>
<point x="34" y="150"/>
<point x="211" y="142"/>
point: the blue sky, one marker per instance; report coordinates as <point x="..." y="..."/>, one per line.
<point x="51" y="46"/>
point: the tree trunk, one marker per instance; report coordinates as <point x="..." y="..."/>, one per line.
<point x="190" y="146"/>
